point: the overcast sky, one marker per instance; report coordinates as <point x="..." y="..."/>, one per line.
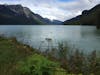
<point x="55" y="9"/>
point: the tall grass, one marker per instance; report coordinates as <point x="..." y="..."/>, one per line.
<point x="21" y="59"/>
<point x="76" y="61"/>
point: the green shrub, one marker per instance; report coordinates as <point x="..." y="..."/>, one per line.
<point x="37" y="65"/>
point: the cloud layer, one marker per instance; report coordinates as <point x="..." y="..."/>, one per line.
<point x="55" y="9"/>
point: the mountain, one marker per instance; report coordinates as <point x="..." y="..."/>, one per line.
<point x="51" y="22"/>
<point x="57" y="22"/>
<point x="73" y="21"/>
<point x="88" y="17"/>
<point x="19" y="15"/>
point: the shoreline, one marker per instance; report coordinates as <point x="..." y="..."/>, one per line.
<point x="13" y="52"/>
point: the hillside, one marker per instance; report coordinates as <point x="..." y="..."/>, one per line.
<point x="88" y="17"/>
<point x="19" y="15"/>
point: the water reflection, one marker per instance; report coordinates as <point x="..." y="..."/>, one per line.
<point x="83" y="37"/>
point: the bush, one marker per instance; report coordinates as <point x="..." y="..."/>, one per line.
<point x="36" y="65"/>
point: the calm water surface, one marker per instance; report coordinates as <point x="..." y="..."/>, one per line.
<point x="86" y="38"/>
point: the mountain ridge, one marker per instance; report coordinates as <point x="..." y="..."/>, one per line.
<point x="19" y="15"/>
<point x="88" y="17"/>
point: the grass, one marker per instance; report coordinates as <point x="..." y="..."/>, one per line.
<point x="37" y="65"/>
<point x="21" y="59"/>
<point x="10" y="53"/>
<point x="17" y="58"/>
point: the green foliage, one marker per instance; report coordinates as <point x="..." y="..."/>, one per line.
<point x="37" y="65"/>
<point x="11" y="52"/>
<point x="19" y="59"/>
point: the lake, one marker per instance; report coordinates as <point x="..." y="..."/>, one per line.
<point x="86" y="38"/>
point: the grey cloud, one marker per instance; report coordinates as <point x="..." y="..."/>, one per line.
<point x="54" y="9"/>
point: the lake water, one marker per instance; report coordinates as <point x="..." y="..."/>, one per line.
<point x="86" y="38"/>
